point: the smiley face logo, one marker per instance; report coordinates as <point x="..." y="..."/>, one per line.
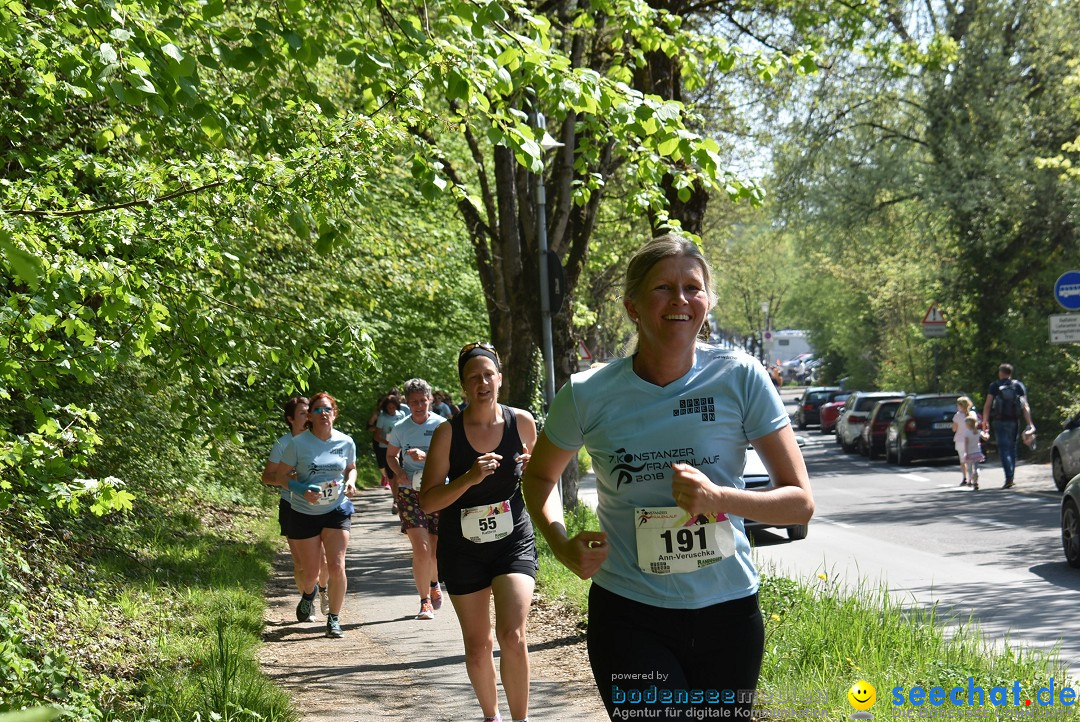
<point x="862" y="696"/>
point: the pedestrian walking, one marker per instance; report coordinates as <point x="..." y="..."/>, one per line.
<point x="1006" y="404"/>
<point x="673" y="607"/>
<point x="487" y="551"/>
<point x="959" y="427"/>
<point x="972" y="439"/>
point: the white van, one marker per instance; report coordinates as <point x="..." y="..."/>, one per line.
<point x="785" y="345"/>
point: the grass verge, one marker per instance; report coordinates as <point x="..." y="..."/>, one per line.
<point x="154" y="615"/>
<point x="820" y="639"/>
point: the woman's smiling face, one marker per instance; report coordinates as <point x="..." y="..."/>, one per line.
<point x="672" y="305"/>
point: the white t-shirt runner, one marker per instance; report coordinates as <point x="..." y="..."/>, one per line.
<point x="634" y="431"/>
<point x="407" y="434"/>
<point x="323" y="464"/>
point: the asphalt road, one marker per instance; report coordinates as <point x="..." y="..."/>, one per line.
<point x="994" y="555"/>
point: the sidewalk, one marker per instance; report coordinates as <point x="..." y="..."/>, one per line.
<point x="391" y="666"/>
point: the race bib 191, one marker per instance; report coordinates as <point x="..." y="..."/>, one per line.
<point x="487" y="522"/>
<point x="672" y="541"/>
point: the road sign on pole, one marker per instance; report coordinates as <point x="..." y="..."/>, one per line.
<point x="1065" y="328"/>
<point x="1067" y="290"/>
<point x="933" y="323"/>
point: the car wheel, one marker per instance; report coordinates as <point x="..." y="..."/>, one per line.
<point x="860" y="446"/>
<point x="797" y="532"/>
<point x="801" y="424"/>
<point x="1058" y="466"/>
<point x="901" y="458"/>
<point x="871" y="452"/>
<point x="1070" y="533"/>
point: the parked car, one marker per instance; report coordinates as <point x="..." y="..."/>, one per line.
<point x="810" y="403"/>
<point x="877" y="426"/>
<point x="856" y="411"/>
<point x="922" y="428"/>
<point x="757" y="478"/>
<point x="1065" y="453"/>
<point x="1070" y="522"/>
<point x="830" y="412"/>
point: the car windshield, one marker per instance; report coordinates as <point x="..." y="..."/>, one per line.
<point x="816" y="397"/>
<point x="865" y="404"/>
<point x="886" y="412"/>
<point x="937" y="404"/>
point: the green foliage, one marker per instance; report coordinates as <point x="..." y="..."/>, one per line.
<point x="923" y="186"/>
<point x="556" y="583"/>
<point x="29" y="675"/>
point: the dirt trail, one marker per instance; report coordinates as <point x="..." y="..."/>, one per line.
<point x="391" y="666"/>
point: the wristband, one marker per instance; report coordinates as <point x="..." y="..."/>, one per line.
<point x="300" y="487"/>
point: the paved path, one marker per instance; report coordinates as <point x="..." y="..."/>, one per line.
<point x="389" y="665"/>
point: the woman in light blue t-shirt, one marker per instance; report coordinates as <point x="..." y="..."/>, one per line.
<point x="324" y="462"/>
<point x="667" y="430"/>
<point x="296" y="416"/>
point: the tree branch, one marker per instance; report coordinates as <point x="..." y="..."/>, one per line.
<point x="146" y="202"/>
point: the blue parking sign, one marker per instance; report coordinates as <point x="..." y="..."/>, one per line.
<point x="1067" y="290"/>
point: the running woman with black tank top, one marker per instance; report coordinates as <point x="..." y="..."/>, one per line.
<point x="486" y="547"/>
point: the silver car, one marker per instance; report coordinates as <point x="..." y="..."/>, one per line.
<point x="1070" y="522"/>
<point x="757" y="478"/>
<point x="1065" y="454"/>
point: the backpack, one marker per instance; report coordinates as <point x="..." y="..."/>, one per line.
<point x="1007" y="401"/>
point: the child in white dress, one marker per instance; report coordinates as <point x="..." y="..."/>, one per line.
<point x="963" y="408"/>
<point x="973" y="453"/>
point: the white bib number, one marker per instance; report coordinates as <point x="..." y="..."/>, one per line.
<point x="329" y="492"/>
<point x="487" y="522"/>
<point x="671" y="541"/>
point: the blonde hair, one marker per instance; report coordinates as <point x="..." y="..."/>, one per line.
<point x="971" y="420"/>
<point x="965" y="403"/>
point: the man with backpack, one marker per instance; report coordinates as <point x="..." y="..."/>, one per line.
<point x="1006" y="404"/>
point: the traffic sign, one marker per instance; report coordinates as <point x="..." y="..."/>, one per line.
<point x="933" y="323"/>
<point x="933" y="316"/>
<point x="583" y="351"/>
<point x="1065" y="328"/>
<point x="1067" y="290"/>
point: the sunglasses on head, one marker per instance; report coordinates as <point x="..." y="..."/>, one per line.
<point x="479" y="344"/>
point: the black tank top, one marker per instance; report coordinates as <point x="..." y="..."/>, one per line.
<point x="504" y="483"/>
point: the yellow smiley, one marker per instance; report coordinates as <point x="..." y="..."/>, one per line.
<point x="862" y="695"/>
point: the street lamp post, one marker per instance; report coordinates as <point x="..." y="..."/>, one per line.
<point x="546" y="144"/>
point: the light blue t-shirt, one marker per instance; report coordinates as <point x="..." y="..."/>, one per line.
<point x="635" y="430"/>
<point x="386" y="422"/>
<point x="322" y="463"/>
<point x="407" y="434"/>
<point x="276" y="452"/>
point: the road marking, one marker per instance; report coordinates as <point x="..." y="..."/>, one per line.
<point x="913" y="477"/>
<point x="985" y="522"/>
<point x="827" y="520"/>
